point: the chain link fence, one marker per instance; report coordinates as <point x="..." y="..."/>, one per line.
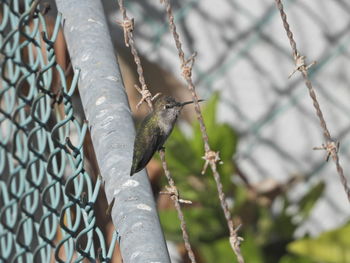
<point x="47" y="197"/>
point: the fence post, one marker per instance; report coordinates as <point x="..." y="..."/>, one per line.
<point x="107" y="110"/>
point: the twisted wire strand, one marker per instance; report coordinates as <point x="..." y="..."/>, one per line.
<point x="330" y="144"/>
<point x="148" y="97"/>
<point x="186" y="67"/>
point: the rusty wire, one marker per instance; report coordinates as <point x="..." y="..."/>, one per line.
<point x="331" y="146"/>
<point x="211" y="157"/>
<point x="128" y="26"/>
<point x="174" y="194"/>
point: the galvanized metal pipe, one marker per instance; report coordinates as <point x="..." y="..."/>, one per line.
<point x="107" y="110"/>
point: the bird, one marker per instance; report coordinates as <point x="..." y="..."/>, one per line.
<point x="154" y="130"/>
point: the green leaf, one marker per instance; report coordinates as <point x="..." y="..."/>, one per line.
<point x="224" y="138"/>
<point x="295" y="259"/>
<point x="170" y="224"/>
<point x="251" y="251"/>
<point x="329" y="247"/>
<point x="209" y="118"/>
<point x="220" y="251"/>
<point x="241" y="197"/>
<point x="210" y="110"/>
<point x="309" y="200"/>
<point x="204" y="224"/>
<point x="180" y="154"/>
<point x="283" y="223"/>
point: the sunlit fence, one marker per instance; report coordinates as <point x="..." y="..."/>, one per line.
<point x="46" y="196"/>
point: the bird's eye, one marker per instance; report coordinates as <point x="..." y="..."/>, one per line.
<point x="167" y="106"/>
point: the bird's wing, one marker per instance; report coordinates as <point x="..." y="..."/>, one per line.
<point x="146" y="144"/>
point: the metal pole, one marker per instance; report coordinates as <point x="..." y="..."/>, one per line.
<point x="107" y="110"/>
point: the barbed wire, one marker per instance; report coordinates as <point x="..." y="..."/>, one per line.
<point x="331" y="146"/>
<point x="211" y="157"/>
<point x="128" y="26"/>
<point x="175" y="196"/>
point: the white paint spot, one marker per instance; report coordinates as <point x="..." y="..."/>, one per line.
<point x="130" y="183"/>
<point x="107" y="121"/>
<point x="82" y="76"/>
<point x="109" y="118"/>
<point x="100" y="100"/>
<point x="139" y="224"/>
<point x="85" y="57"/>
<point x="112" y="78"/>
<point x="94" y="21"/>
<point x="144" y="207"/>
<point x="102" y="112"/>
<point x="134" y="255"/>
<point x="127" y="184"/>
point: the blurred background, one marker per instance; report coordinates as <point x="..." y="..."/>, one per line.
<point x="264" y="125"/>
<point x="289" y="200"/>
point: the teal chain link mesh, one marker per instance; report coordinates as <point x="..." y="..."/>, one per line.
<point x="46" y="196"/>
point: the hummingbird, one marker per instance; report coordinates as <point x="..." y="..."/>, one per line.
<point x="154" y="130"/>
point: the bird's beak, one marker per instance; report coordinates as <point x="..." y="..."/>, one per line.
<point x="187" y="102"/>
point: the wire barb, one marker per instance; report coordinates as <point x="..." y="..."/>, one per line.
<point x="331" y="147"/>
<point x="146" y="96"/>
<point x="174" y="193"/>
<point x="300" y="65"/>
<point x="210" y="156"/>
<point x="186" y="66"/>
<point x="235" y="240"/>
<point x="128" y="27"/>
